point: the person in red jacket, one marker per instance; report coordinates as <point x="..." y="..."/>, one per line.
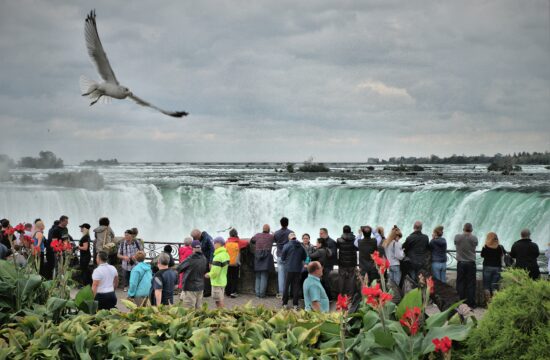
<point x="233" y="245"/>
<point x="184" y="252"/>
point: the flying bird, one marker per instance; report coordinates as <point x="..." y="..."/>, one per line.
<point x="110" y="87"/>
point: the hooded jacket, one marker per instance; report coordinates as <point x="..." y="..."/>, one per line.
<point x="347" y="252"/>
<point x="206" y="246"/>
<point x="103" y="235"/>
<point x="193" y="268"/>
<point x="220" y="263"/>
<point x="293" y="255"/>
<point x="526" y="252"/>
<point x="140" y="280"/>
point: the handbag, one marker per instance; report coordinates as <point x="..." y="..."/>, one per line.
<point x="505" y="260"/>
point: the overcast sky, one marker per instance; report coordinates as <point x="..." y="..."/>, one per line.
<point x="279" y="80"/>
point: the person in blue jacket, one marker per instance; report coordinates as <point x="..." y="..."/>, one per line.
<point x="293" y="255"/>
<point x="140" y="280"/>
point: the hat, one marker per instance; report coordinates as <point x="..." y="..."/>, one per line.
<point x="85" y="225"/>
<point x="196" y="244"/>
<point x="219" y="240"/>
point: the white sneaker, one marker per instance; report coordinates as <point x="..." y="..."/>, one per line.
<point x="125" y="289"/>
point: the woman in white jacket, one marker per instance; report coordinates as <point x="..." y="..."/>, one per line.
<point x="394" y="253"/>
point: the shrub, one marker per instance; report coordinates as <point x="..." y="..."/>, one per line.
<point x="516" y="324"/>
<point x="87" y="179"/>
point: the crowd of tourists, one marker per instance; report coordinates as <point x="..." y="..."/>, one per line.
<point x="209" y="266"/>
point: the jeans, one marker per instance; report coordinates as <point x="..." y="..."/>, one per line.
<point x="232" y="280"/>
<point x="491" y="277"/>
<point x="293" y="281"/>
<point x="261" y="283"/>
<point x="325" y="281"/>
<point x="439" y="270"/>
<point x="346" y="278"/>
<point x="281" y="275"/>
<point x="395" y="274"/>
<point x="126" y="277"/>
<point x="466" y="282"/>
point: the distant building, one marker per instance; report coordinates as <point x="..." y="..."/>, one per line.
<point x="373" y="161"/>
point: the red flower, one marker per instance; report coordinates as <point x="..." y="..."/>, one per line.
<point x="410" y="319"/>
<point x="381" y="262"/>
<point x="375" y="296"/>
<point x="10" y="231"/>
<point x="342" y="302"/>
<point x="20" y="228"/>
<point x="430" y="284"/>
<point x="443" y="344"/>
<point x="57" y="246"/>
<point x="67" y="246"/>
<point x="36" y="250"/>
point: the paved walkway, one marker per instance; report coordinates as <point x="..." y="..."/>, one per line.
<point x="269" y="302"/>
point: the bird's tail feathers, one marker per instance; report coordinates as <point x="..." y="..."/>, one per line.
<point x="87" y="86"/>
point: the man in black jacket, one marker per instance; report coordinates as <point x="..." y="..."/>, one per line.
<point x="193" y="268"/>
<point x="417" y="249"/>
<point x="331" y="261"/>
<point x="293" y="255"/>
<point x="526" y="252"/>
<point x="347" y="261"/>
<point x="367" y="246"/>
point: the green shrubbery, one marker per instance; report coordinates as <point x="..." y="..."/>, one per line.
<point x="516" y="324"/>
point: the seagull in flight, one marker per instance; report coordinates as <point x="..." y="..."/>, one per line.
<point x="110" y="87"/>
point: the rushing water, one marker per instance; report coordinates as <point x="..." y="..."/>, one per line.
<point x="165" y="201"/>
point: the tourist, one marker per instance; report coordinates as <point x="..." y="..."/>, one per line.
<point x="331" y="261"/>
<point x="379" y="235"/>
<point x="135" y="233"/>
<point x="164" y="281"/>
<point x="492" y="254"/>
<point x="308" y="247"/>
<point x="127" y="253"/>
<point x="183" y="253"/>
<point x="281" y="238"/>
<point x="293" y="255"/>
<point x="322" y="254"/>
<point x="315" y="296"/>
<point x="208" y="251"/>
<point x="193" y="269"/>
<point x="168" y="250"/>
<point x="394" y="253"/>
<point x="263" y="259"/>
<point x="347" y="261"/>
<point x="40" y="243"/>
<point x="218" y="271"/>
<point x="140" y="280"/>
<point x="49" y="260"/>
<point x="465" y="245"/>
<point x="105" y="281"/>
<point x="4" y="238"/>
<point x="105" y="240"/>
<point x="4" y="252"/>
<point x="416" y="248"/>
<point x="233" y="247"/>
<point x="525" y="253"/>
<point x="438" y="246"/>
<point x="367" y="245"/>
<point x="85" y="255"/>
<point x="59" y="233"/>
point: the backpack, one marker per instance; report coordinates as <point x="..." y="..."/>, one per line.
<point x="234" y="252"/>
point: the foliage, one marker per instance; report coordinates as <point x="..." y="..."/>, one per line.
<point x="87" y="179"/>
<point x="45" y="160"/>
<point x="290" y="167"/>
<point x="100" y="162"/>
<point x="516" y="324"/>
<point x="310" y="166"/>
<point x="176" y="332"/>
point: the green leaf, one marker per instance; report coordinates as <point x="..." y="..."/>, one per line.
<point x="410" y="300"/>
<point x="83" y="294"/>
<point x="8" y="272"/>
<point x="117" y="343"/>
<point x="439" y="319"/>
<point x="383" y="338"/>
<point x="370" y="319"/>
<point x="27" y="286"/>
<point x="269" y="347"/>
<point x="454" y="332"/>
<point x="55" y="304"/>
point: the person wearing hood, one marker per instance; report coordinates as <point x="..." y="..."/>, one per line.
<point x="193" y="269"/>
<point x="104" y="240"/>
<point x="367" y="245"/>
<point x="293" y="256"/>
<point x="207" y="249"/>
<point x="347" y="261"/>
<point x="233" y="247"/>
<point x="525" y="252"/>
<point x="218" y="271"/>
<point x="184" y="252"/>
<point x="140" y="280"/>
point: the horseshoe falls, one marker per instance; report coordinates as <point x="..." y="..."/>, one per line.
<point x="166" y="201"/>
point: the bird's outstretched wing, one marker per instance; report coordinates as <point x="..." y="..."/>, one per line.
<point x="95" y="50"/>
<point x="142" y="102"/>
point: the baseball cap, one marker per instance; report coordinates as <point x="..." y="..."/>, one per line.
<point x="85" y="225"/>
<point x="219" y="240"/>
<point x="196" y="244"/>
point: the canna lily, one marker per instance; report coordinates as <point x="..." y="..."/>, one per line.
<point x="443" y="345"/>
<point x="430" y="285"/>
<point x="20" y="228"/>
<point x="381" y="262"/>
<point x="375" y="296"/>
<point x="57" y="246"/>
<point x="67" y="246"/>
<point x="410" y="319"/>
<point x="36" y="250"/>
<point x="342" y="303"/>
<point x="10" y="231"/>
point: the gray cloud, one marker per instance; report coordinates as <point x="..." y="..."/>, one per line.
<point x="276" y="81"/>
